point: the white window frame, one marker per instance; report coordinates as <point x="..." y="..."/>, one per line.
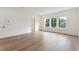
<point x="66" y="23"/>
<point x="45" y="23"/>
<point x="57" y="26"/>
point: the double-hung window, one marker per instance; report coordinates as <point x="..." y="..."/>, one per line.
<point x="47" y="24"/>
<point x="62" y="22"/>
<point x="53" y="22"/>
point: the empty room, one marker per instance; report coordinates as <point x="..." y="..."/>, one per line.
<point x="39" y="29"/>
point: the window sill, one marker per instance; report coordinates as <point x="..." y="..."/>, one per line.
<point x="55" y="28"/>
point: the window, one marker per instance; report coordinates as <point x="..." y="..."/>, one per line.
<point x="56" y="22"/>
<point x="47" y="23"/>
<point x="53" y="22"/>
<point x="62" y="22"/>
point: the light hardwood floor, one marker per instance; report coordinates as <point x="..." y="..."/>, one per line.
<point x="40" y="41"/>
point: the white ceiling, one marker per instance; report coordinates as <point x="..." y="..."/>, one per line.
<point x="45" y="10"/>
<point x="38" y="10"/>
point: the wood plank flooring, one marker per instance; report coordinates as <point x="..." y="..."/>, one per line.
<point x="40" y="41"/>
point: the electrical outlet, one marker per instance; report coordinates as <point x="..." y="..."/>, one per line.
<point x="3" y="27"/>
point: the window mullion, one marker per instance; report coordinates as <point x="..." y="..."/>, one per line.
<point x="57" y="24"/>
<point x="50" y="22"/>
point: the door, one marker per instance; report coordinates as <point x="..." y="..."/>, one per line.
<point x="33" y="24"/>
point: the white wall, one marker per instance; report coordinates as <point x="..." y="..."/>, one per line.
<point x="72" y="26"/>
<point x="20" y="21"/>
<point x="78" y="22"/>
<point x="37" y="23"/>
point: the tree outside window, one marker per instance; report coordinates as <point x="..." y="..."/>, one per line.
<point x="56" y="22"/>
<point x="62" y="22"/>
<point x="53" y="22"/>
<point x="47" y="23"/>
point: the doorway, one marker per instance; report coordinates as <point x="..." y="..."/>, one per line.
<point x="33" y="24"/>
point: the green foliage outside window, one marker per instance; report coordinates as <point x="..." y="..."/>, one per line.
<point x="53" y="22"/>
<point x="62" y="23"/>
<point x="47" y="23"/>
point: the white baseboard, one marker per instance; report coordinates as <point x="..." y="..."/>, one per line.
<point x="5" y="36"/>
